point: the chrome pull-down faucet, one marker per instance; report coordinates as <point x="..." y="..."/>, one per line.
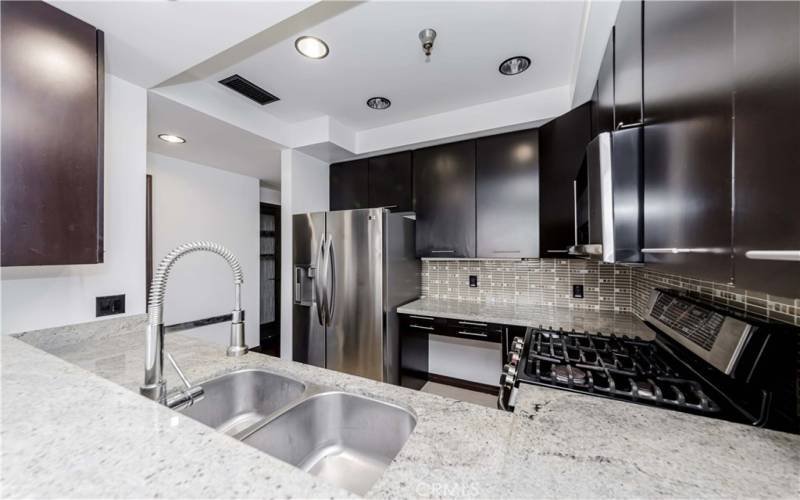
<point x="155" y="387"/>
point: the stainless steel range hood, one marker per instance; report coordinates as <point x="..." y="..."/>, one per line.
<point x="608" y="199"/>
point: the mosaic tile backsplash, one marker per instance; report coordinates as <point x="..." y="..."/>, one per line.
<point x="606" y="287"/>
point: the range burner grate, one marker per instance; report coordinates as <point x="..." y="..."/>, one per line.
<point x="618" y="367"/>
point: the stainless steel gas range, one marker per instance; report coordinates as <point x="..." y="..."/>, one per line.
<point x="705" y="360"/>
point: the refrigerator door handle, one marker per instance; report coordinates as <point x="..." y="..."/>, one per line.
<point x="319" y="284"/>
<point x="330" y="286"/>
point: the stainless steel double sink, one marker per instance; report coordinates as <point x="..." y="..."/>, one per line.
<point x="346" y="439"/>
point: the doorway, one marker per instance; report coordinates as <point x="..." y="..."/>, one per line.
<point x="270" y="282"/>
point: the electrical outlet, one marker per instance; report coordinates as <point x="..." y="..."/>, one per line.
<point x="577" y="291"/>
<point x="109" y="305"/>
<point x="473" y="281"/>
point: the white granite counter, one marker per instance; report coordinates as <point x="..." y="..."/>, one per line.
<point x="580" y="320"/>
<point x="69" y="433"/>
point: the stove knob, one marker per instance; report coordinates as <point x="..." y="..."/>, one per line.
<point x="510" y="373"/>
<point x="517" y="344"/>
<point x="513" y="358"/>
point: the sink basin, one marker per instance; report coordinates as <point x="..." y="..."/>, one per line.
<point x="343" y="438"/>
<point x="236" y="401"/>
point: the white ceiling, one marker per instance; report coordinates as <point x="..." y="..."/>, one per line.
<point x="148" y="42"/>
<point x="210" y="141"/>
<point x="374" y="50"/>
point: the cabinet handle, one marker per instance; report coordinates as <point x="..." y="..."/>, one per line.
<point x="624" y="126"/>
<point x="556" y="251"/>
<point x="471" y="334"/>
<point x="505" y="251"/>
<point x="443" y="251"/>
<point x="790" y="255"/>
<point x="685" y="250"/>
<point x="471" y="323"/>
<point x="422" y="317"/>
<point x="421" y="327"/>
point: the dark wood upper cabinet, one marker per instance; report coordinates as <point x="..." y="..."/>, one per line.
<point x="688" y="64"/>
<point x="507" y="195"/>
<point x="349" y="185"/>
<point x="767" y="145"/>
<point x="390" y="182"/>
<point x="562" y="146"/>
<point x="52" y="137"/>
<point x="628" y="63"/>
<point x="444" y="200"/>
<point x="605" y="89"/>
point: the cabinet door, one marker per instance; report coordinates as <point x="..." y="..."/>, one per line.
<point x="390" y="182"/>
<point x="349" y="185"/>
<point x="767" y="145"/>
<point x="444" y="200"/>
<point x="628" y="63"/>
<point x="562" y="146"/>
<point x="52" y="137"/>
<point x="507" y="195"/>
<point x="605" y="89"/>
<point x="688" y="63"/>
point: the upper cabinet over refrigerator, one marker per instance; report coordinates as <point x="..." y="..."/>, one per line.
<point x="767" y="147"/>
<point x="688" y="64"/>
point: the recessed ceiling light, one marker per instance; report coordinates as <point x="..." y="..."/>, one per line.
<point x="311" y="46"/>
<point x="378" y="102"/>
<point x="173" y="139"/>
<point x="514" y="65"/>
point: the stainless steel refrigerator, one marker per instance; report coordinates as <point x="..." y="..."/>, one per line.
<point x="352" y="269"/>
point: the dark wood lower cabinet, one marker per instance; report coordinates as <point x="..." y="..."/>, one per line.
<point x="52" y="137"/>
<point x="415" y="332"/>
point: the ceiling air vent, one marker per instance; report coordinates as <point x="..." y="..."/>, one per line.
<point x="249" y="89"/>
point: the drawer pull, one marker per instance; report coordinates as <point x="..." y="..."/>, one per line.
<point x="472" y="334"/>
<point x="471" y="323"/>
<point x="506" y="251"/>
<point x="422" y="317"/>
<point x="443" y="251"/>
<point x="790" y="255"/>
<point x="557" y="251"/>
<point x="421" y="327"/>
<point x="685" y="250"/>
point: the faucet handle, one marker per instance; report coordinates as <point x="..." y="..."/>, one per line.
<point x="237" y="346"/>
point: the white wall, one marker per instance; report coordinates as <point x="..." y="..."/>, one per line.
<point x="268" y="195"/>
<point x="304" y="188"/>
<point x="44" y="296"/>
<point x="194" y="202"/>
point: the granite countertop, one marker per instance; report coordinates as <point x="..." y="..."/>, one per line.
<point x="69" y="433"/>
<point x="580" y="320"/>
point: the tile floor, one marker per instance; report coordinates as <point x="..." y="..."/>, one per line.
<point x="478" y="398"/>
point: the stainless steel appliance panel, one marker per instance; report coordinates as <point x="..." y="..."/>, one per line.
<point x="308" y="339"/>
<point x="401" y="283"/>
<point x="354" y="292"/>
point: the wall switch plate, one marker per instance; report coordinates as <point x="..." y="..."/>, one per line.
<point x="577" y="291"/>
<point x="473" y="281"/>
<point x="109" y="305"/>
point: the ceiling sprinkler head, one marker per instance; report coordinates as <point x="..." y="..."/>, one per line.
<point x="427" y="36"/>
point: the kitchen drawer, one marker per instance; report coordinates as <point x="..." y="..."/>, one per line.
<point x="475" y="330"/>
<point x="422" y="324"/>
